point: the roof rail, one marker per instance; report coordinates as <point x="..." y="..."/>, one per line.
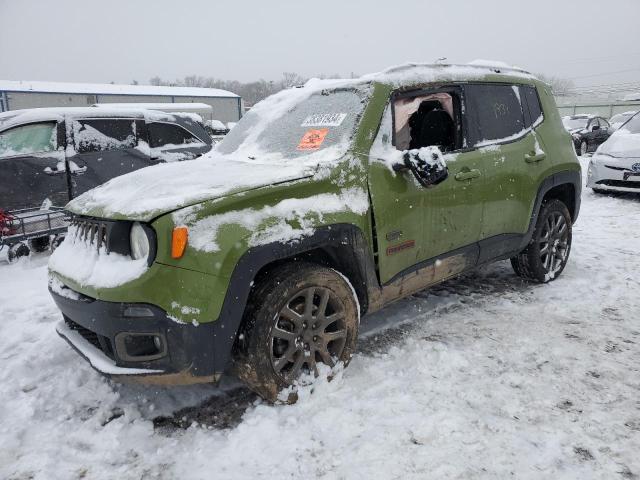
<point x="495" y="68"/>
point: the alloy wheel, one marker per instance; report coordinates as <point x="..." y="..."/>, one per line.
<point x="308" y="330"/>
<point x="554" y="243"/>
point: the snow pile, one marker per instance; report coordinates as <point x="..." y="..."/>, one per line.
<point x="79" y="260"/>
<point x="273" y="223"/>
<point x="485" y="377"/>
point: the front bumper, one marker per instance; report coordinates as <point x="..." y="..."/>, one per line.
<point x="613" y="174"/>
<point x="105" y="333"/>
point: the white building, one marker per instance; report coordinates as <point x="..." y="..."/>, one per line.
<point x="15" y="95"/>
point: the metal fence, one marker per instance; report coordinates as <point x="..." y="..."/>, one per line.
<point x="604" y="109"/>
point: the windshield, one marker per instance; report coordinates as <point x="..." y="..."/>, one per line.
<point x="574" y="123"/>
<point x="633" y="125"/>
<point x="323" y="120"/>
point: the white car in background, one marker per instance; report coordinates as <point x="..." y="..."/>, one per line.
<point x="618" y="120"/>
<point x="616" y="164"/>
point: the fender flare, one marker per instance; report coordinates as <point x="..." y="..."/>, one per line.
<point x="346" y="239"/>
<point x="572" y="177"/>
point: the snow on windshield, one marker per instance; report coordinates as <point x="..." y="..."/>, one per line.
<point x="323" y="120"/>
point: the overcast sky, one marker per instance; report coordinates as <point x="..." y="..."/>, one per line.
<point x="590" y="41"/>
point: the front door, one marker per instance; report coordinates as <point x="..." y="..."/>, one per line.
<point x="104" y="148"/>
<point x="416" y="224"/>
<point x="32" y="166"/>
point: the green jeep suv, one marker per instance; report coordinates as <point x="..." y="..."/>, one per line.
<point x="325" y="203"/>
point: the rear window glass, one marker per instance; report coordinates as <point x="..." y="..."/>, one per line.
<point x="531" y="104"/>
<point x="104" y="134"/>
<point x="493" y="113"/>
<point x="26" y="139"/>
<point x="162" y="134"/>
<point x="323" y="120"/>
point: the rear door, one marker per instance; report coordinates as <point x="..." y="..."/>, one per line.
<point x="171" y="142"/>
<point x="32" y="166"/>
<point x="501" y="122"/>
<point x="103" y="148"/>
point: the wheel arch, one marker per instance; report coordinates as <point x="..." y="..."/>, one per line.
<point x="341" y="246"/>
<point x="565" y="186"/>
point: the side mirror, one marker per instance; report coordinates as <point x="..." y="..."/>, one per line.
<point x="427" y="164"/>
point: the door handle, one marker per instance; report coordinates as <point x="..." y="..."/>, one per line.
<point x="534" y="157"/>
<point x="467" y="174"/>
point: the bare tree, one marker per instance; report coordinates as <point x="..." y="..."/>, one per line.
<point x="251" y="92"/>
<point x="559" y="86"/>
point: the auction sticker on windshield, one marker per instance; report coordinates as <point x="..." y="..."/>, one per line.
<point x="312" y="139"/>
<point x="324" y="120"/>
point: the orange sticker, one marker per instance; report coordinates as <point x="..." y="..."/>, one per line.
<point x="312" y="139"/>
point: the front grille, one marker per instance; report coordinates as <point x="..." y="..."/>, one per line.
<point x="101" y="342"/>
<point x="107" y="235"/>
<point x="619" y="183"/>
<point x="92" y="231"/>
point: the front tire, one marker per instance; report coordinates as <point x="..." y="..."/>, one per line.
<point x="548" y="251"/>
<point x="299" y="316"/>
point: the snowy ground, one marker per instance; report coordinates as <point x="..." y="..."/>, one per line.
<point x="483" y="377"/>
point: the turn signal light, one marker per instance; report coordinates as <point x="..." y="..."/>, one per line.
<point x="179" y="241"/>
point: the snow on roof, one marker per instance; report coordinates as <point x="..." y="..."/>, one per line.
<point x="165" y="107"/>
<point x="16" y="117"/>
<point x="110" y="89"/>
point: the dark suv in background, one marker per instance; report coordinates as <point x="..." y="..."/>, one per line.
<point x="588" y="131"/>
<point x="50" y="155"/>
<point x="56" y="154"/>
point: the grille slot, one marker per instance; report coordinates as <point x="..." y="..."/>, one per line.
<point x="619" y="183"/>
<point x="101" y="342"/>
<point x="93" y="232"/>
<point x="110" y="236"/>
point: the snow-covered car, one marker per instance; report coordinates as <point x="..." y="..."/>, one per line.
<point x="324" y="203"/>
<point x="587" y="131"/>
<point x="216" y="129"/>
<point x="616" y="164"/>
<point x="618" y="120"/>
<point x="55" y="154"/>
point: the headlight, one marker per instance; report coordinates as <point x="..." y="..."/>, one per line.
<point x="138" y="242"/>
<point x="590" y="169"/>
<point x="575" y="136"/>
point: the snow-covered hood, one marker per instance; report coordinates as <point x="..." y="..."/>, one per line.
<point x="622" y="144"/>
<point x="147" y="193"/>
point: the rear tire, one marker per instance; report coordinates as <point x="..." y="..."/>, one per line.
<point x="584" y="148"/>
<point x="548" y="251"/>
<point x="298" y="316"/>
